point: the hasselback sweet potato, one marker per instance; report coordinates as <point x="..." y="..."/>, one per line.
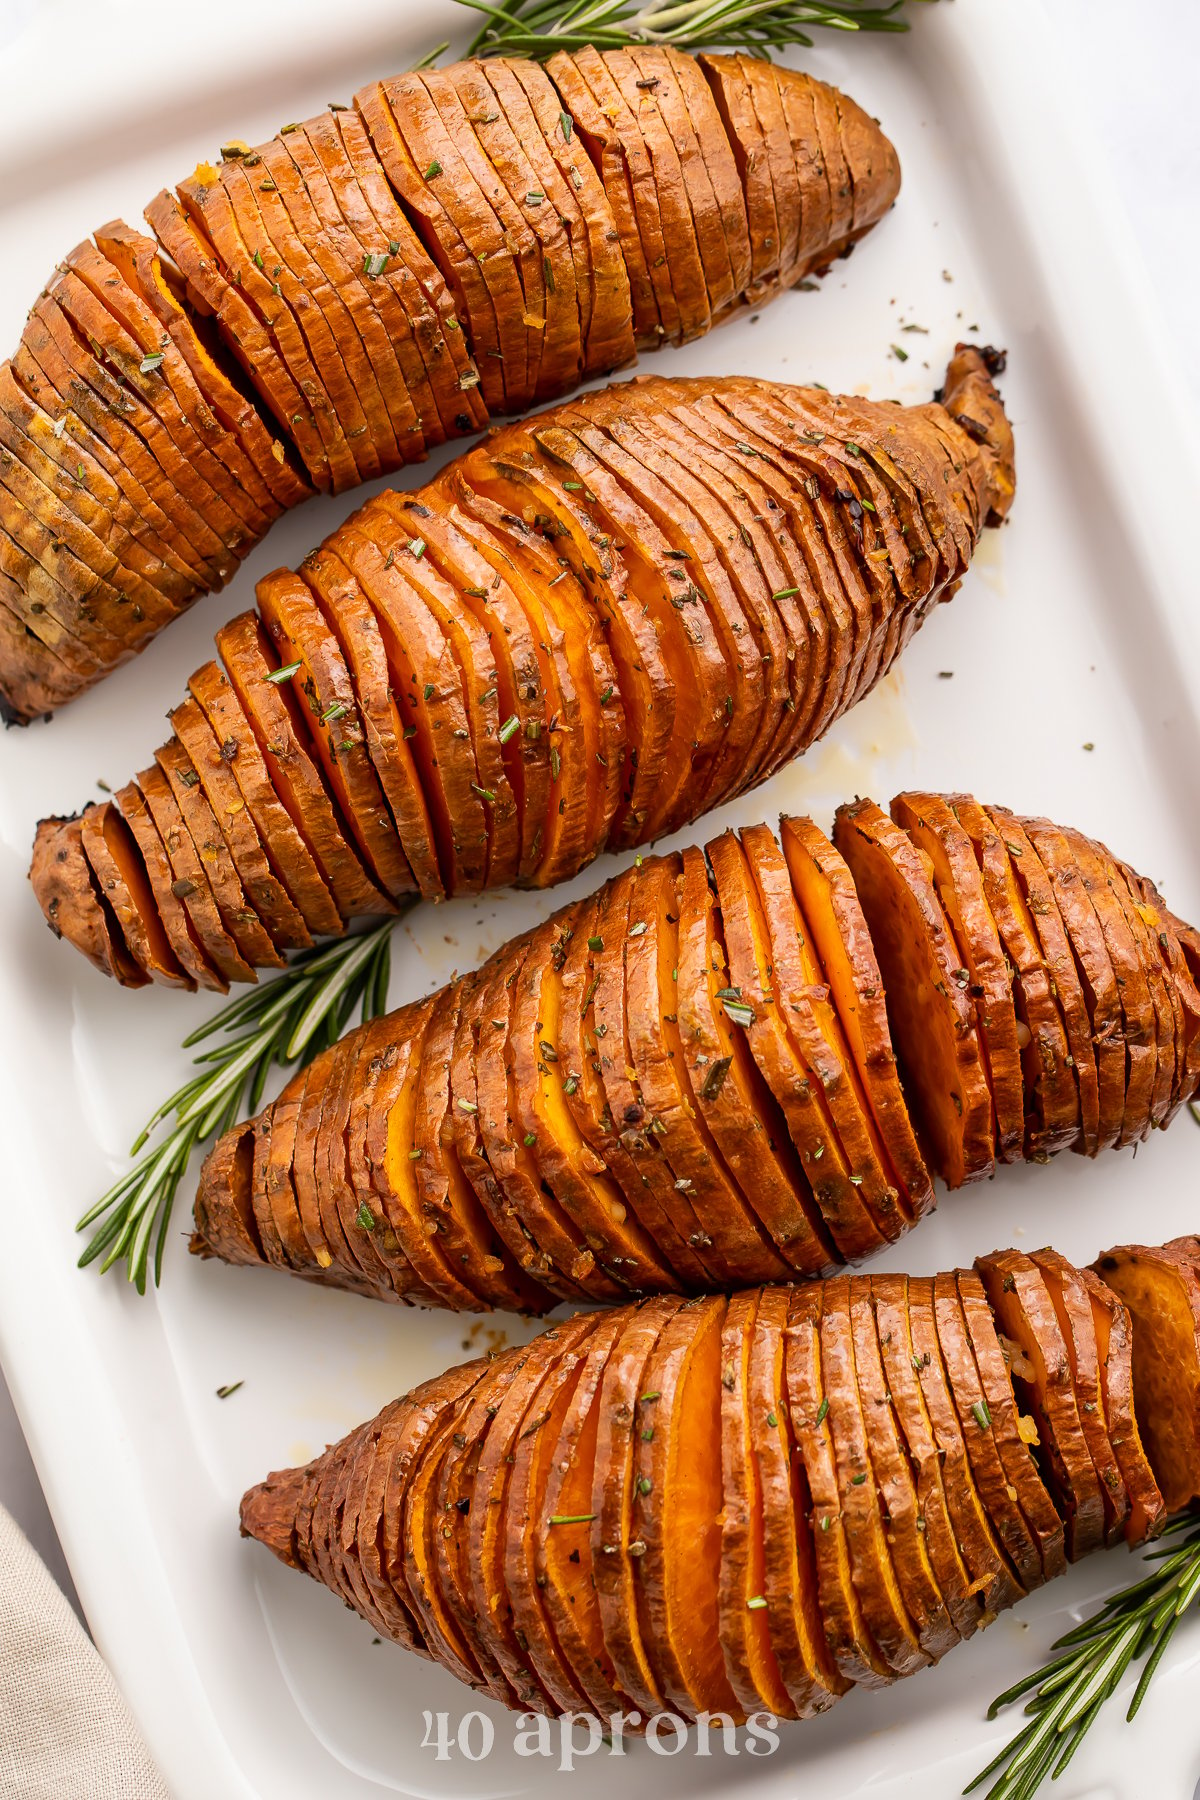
<point x="715" y="1071"/>
<point x="581" y="634"/>
<point x="617" y="1529"/>
<point x="333" y="304"/>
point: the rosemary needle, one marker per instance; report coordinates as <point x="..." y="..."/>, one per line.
<point x="289" y="1019"/>
<point x="1068" y="1693"/>
<point x="538" y="28"/>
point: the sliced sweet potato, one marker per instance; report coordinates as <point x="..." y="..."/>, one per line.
<point x="616" y="1508"/>
<point x="1024" y="1312"/>
<point x="585" y="1191"/>
<point x="559" y="1255"/>
<point x="743" y="132"/>
<point x="446" y="1197"/>
<point x="191" y="883"/>
<point x="1113" y="1328"/>
<point x="535" y="233"/>
<point x="393" y="1237"/>
<point x="1138" y="1029"/>
<point x="326" y="701"/>
<point x="892" y="1477"/>
<point x="487" y="1527"/>
<point x="789" y="1582"/>
<point x="402" y="1448"/>
<point x="525" y="1504"/>
<point x="335" y="216"/>
<point x="427" y="686"/>
<point x="1160" y="997"/>
<point x="856" y="1655"/>
<point x="1073" y="1310"/>
<point x="407" y="138"/>
<point x="277" y="721"/>
<point x="195" y="427"/>
<point x="195" y="762"/>
<point x="609" y="133"/>
<point x="889" y="1297"/>
<point x="297" y="304"/>
<point x="451" y="403"/>
<point x="562" y="1534"/>
<point x="496" y="606"/>
<point x="679" y="1105"/>
<point x="275" y="477"/>
<point x="724" y="707"/>
<point x="751" y="974"/>
<point x="744" y="1624"/>
<point x="603" y="1085"/>
<point x="73" y="902"/>
<point x="713" y="1018"/>
<point x="643" y="75"/>
<point x="390" y="1140"/>
<point x="420" y="1522"/>
<point x="925" y="988"/>
<point x="678" y="1515"/>
<point x="238" y="915"/>
<point x="220" y="697"/>
<point x="1026" y="1488"/>
<point x="871" y="1564"/>
<point x="1051" y="1091"/>
<point x="209" y="291"/>
<point x="476" y="659"/>
<point x="945" y="847"/>
<point x="837" y="933"/>
<point x="1095" y="972"/>
<point x="1040" y="904"/>
<point x="992" y="1576"/>
<point x="172" y="912"/>
<point x="116" y="860"/>
<point x="1161" y="1290"/>
<point x="556" y="836"/>
<point x="859" y="1207"/>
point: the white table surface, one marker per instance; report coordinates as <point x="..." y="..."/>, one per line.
<point x="1134" y="80"/>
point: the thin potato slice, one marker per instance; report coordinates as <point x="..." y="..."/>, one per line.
<point x="1051" y="1091"/>
<point x="1038" y="896"/>
<point x="871" y="1566"/>
<point x="1073" y="1310"/>
<point x="947" y="852"/>
<point x="1024" y="1312"/>
<point x="1095" y="973"/>
<point x="679" y="1516"/>
<point x="1161" y="1289"/>
<point x="992" y="1577"/>
<point x="925" y="987"/>
<point x="856" y="1655"/>
<point x="237" y="749"/>
<point x="744" y="1624"/>
<point x="837" y="932"/>
<point x="889" y="1297"/>
<point x="1026" y="1487"/>
<point x="1114" y="1349"/>
<point x="858" y="1200"/>
<point x="617" y="1505"/>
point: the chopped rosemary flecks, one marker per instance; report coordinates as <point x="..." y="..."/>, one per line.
<point x="284" y="674"/>
<point x="286" y="1020"/>
<point x="231" y="1387"/>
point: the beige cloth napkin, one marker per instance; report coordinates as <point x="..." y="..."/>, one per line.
<point x="65" y="1731"/>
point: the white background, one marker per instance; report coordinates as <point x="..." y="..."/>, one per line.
<point x="1134" y="78"/>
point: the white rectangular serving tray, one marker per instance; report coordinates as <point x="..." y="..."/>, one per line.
<point x="1073" y="653"/>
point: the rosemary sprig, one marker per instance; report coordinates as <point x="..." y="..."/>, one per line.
<point x="1069" y="1692"/>
<point x="289" y="1019"/>
<point x="538" y="28"/>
